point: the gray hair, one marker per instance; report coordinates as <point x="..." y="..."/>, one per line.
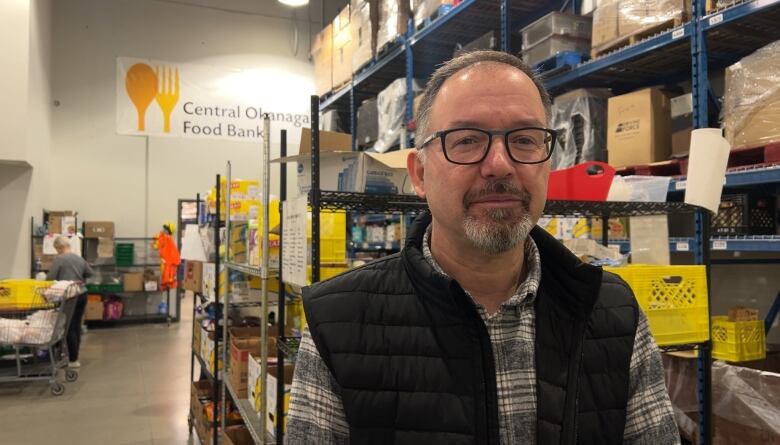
<point x="61" y="242"/>
<point x="459" y="63"/>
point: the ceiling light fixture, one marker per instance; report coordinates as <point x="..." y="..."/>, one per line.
<point x="294" y="3"/>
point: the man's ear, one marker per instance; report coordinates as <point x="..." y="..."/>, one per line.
<point x="416" y="169"/>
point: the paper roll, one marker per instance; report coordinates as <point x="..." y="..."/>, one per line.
<point x="706" y="168"/>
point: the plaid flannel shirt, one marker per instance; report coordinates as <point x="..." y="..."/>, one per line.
<point x="316" y="414"/>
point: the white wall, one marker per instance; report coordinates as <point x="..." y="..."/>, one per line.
<point x="103" y="175"/>
<point x="25" y="125"/>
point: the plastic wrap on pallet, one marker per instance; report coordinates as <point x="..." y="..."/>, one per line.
<point x="363" y="28"/>
<point x="391" y="106"/>
<point x="425" y="8"/>
<point x="751" y="103"/>
<point x="553" y="45"/>
<point x="393" y="16"/>
<point x="745" y="399"/>
<point x="579" y="117"/>
<point x="637" y="15"/>
<point x="614" y="20"/>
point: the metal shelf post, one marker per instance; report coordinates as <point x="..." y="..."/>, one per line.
<point x="217" y="380"/>
<point x="505" y="22"/>
<point x="282" y="297"/>
<point x="315" y="189"/>
<point x="409" y="54"/>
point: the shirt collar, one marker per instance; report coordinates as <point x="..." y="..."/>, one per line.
<point x="526" y="290"/>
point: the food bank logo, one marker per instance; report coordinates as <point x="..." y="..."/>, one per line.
<point x="144" y="84"/>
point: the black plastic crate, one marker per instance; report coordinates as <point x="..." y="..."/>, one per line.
<point x="744" y="214"/>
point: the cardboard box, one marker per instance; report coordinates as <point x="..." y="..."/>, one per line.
<point x="363" y="27"/>
<point x="740" y="313"/>
<point x="343" y="47"/>
<point x="240" y="349"/>
<point x="639" y="128"/>
<point x="271" y="401"/>
<point x="237" y="435"/>
<point x="605" y="24"/>
<point x="751" y="102"/>
<point x="342" y="169"/>
<point x="393" y="20"/>
<point x="94" y="308"/>
<point x="133" y="281"/>
<point x="682" y="124"/>
<point x="196" y="332"/>
<point x="322" y="55"/>
<point x="253" y="372"/>
<point x="99" y="229"/>
<point x="193" y="276"/>
<point x="210" y="278"/>
<point x="61" y="221"/>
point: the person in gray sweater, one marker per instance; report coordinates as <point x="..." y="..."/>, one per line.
<point x="71" y="267"/>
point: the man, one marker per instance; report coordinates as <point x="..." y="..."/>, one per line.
<point x="71" y="267"/>
<point x="484" y="329"/>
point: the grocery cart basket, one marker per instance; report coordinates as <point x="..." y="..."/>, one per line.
<point x="34" y="320"/>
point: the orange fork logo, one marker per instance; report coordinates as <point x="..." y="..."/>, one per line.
<point x="143" y="84"/>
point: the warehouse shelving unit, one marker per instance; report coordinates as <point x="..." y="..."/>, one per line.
<point x="410" y="204"/>
<point x="255" y="422"/>
<point x="214" y="378"/>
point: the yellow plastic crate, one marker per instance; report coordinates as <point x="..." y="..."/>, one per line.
<point x="738" y="341"/>
<point x="333" y="236"/>
<point x="23" y="294"/>
<point x="674" y="299"/>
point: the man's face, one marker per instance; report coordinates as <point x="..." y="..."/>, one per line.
<point x="494" y="204"/>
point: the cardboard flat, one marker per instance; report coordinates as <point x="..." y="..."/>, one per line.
<point x="193" y="276"/>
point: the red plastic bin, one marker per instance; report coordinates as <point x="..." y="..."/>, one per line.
<point x="589" y="181"/>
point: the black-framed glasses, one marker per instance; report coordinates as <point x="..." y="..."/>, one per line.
<point x="466" y="146"/>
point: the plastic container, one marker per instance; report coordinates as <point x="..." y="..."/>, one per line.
<point x="552" y="46"/>
<point x="589" y="181"/>
<point x="23" y="294"/>
<point x="743" y="214"/>
<point x="639" y="188"/>
<point x="557" y="24"/>
<point x="674" y="299"/>
<point x="739" y="341"/>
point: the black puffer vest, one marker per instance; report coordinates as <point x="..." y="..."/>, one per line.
<point x="415" y="362"/>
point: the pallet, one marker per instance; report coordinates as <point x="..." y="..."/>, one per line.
<point x="740" y="158"/>
<point x="673" y="167"/>
<point x="440" y="11"/>
<point x="763" y="155"/>
<point x="635" y="37"/>
<point x="563" y="61"/>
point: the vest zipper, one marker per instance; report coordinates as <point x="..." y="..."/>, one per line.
<point x="572" y="389"/>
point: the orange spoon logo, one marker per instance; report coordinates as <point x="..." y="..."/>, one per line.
<point x="143" y="85"/>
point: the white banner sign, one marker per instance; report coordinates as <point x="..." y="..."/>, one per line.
<point x="156" y="98"/>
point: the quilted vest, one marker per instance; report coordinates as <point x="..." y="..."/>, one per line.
<point x="415" y="363"/>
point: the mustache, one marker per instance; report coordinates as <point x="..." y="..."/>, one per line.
<point x="498" y="187"/>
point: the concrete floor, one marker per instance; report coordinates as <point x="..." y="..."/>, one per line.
<point x="133" y="389"/>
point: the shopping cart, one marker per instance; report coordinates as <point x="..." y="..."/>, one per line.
<point x="34" y="320"/>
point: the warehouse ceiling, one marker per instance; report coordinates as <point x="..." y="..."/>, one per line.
<point x="270" y="8"/>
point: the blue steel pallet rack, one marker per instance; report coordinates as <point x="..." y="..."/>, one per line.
<point x="708" y="41"/>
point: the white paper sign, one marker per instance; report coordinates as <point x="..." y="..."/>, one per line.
<point x="159" y="98"/>
<point x="294" y="253"/>
<point x="48" y="245"/>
